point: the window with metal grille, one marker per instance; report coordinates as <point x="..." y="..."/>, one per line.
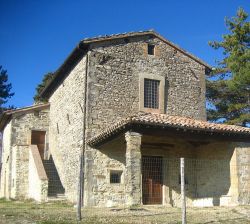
<point x="151" y="49"/>
<point x="115" y="177"/>
<point x="151" y="93"/>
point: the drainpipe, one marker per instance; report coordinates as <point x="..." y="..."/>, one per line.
<point x="81" y="168"/>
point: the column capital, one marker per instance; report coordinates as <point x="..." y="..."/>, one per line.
<point x="132" y="134"/>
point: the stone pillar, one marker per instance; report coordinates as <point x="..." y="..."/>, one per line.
<point x="133" y="169"/>
<point x="243" y="170"/>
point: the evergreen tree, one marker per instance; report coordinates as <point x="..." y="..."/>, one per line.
<point x="228" y="87"/>
<point x="41" y="86"/>
<point x="5" y="90"/>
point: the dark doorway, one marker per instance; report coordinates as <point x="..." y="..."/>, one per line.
<point x="38" y="138"/>
<point x="151" y="180"/>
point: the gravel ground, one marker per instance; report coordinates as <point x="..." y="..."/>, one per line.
<point x="14" y="212"/>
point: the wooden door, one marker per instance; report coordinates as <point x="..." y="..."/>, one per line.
<point x="38" y="138"/>
<point x="151" y="180"/>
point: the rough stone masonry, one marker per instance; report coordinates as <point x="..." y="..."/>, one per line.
<point x="102" y="82"/>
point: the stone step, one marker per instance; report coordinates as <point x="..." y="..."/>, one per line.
<point x="58" y="197"/>
<point x="54" y="191"/>
<point x="54" y="184"/>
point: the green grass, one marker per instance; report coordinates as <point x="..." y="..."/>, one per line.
<point x="13" y="212"/>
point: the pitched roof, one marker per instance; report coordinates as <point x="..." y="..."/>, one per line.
<point x="82" y="48"/>
<point x="6" y="115"/>
<point x="143" y="33"/>
<point x="167" y="121"/>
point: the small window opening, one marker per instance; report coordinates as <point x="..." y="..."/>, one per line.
<point x="115" y="177"/>
<point x="36" y="113"/>
<point x="126" y="40"/>
<point x="151" y="93"/>
<point x="57" y="127"/>
<point x="68" y="118"/>
<point x="151" y="49"/>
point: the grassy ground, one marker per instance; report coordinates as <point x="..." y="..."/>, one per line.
<point x="13" y="212"/>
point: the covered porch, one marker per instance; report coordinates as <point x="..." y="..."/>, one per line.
<point x="143" y="155"/>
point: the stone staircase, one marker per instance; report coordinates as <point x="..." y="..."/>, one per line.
<point x="55" y="188"/>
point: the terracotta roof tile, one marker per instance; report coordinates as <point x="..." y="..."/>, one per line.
<point x="116" y="35"/>
<point x="167" y="121"/>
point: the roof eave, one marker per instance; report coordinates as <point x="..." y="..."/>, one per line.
<point x="101" y="139"/>
<point x="4" y="118"/>
<point x="149" y="32"/>
<point x="183" y="51"/>
<point x="82" y="48"/>
<point x="6" y="115"/>
<point x="62" y="71"/>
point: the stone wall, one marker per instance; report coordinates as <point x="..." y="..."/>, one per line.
<point x="114" y="73"/>
<point x="24" y="123"/>
<point x="216" y="175"/>
<point x="210" y="172"/>
<point x="66" y="127"/>
<point x="171" y="154"/>
<point x="20" y="171"/>
<point x="16" y="140"/>
<point x="22" y="164"/>
<point x="6" y="162"/>
<point x="243" y="165"/>
<point x="103" y="193"/>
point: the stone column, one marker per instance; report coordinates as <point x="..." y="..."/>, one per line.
<point x="133" y="169"/>
<point x="243" y="170"/>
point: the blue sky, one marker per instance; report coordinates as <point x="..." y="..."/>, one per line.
<point x="37" y="36"/>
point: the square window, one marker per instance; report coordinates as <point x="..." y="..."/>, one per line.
<point x="151" y="49"/>
<point x="115" y="177"/>
<point x="151" y="93"/>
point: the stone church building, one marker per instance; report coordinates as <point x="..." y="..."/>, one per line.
<point x="133" y="104"/>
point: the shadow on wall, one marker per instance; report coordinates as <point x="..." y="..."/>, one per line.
<point x="207" y="171"/>
<point x="203" y="179"/>
<point x="115" y="151"/>
<point x="55" y="186"/>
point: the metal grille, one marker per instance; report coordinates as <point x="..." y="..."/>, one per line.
<point x="203" y="179"/>
<point x="115" y="177"/>
<point x="151" y="49"/>
<point x="152" y="179"/>
<point x="151" y="93"/>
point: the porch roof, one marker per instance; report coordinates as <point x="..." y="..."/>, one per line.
<point x="167" y="122"/>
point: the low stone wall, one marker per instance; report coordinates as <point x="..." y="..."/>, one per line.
<point x="38" y="181"/>
<point x="20" y="171"/>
